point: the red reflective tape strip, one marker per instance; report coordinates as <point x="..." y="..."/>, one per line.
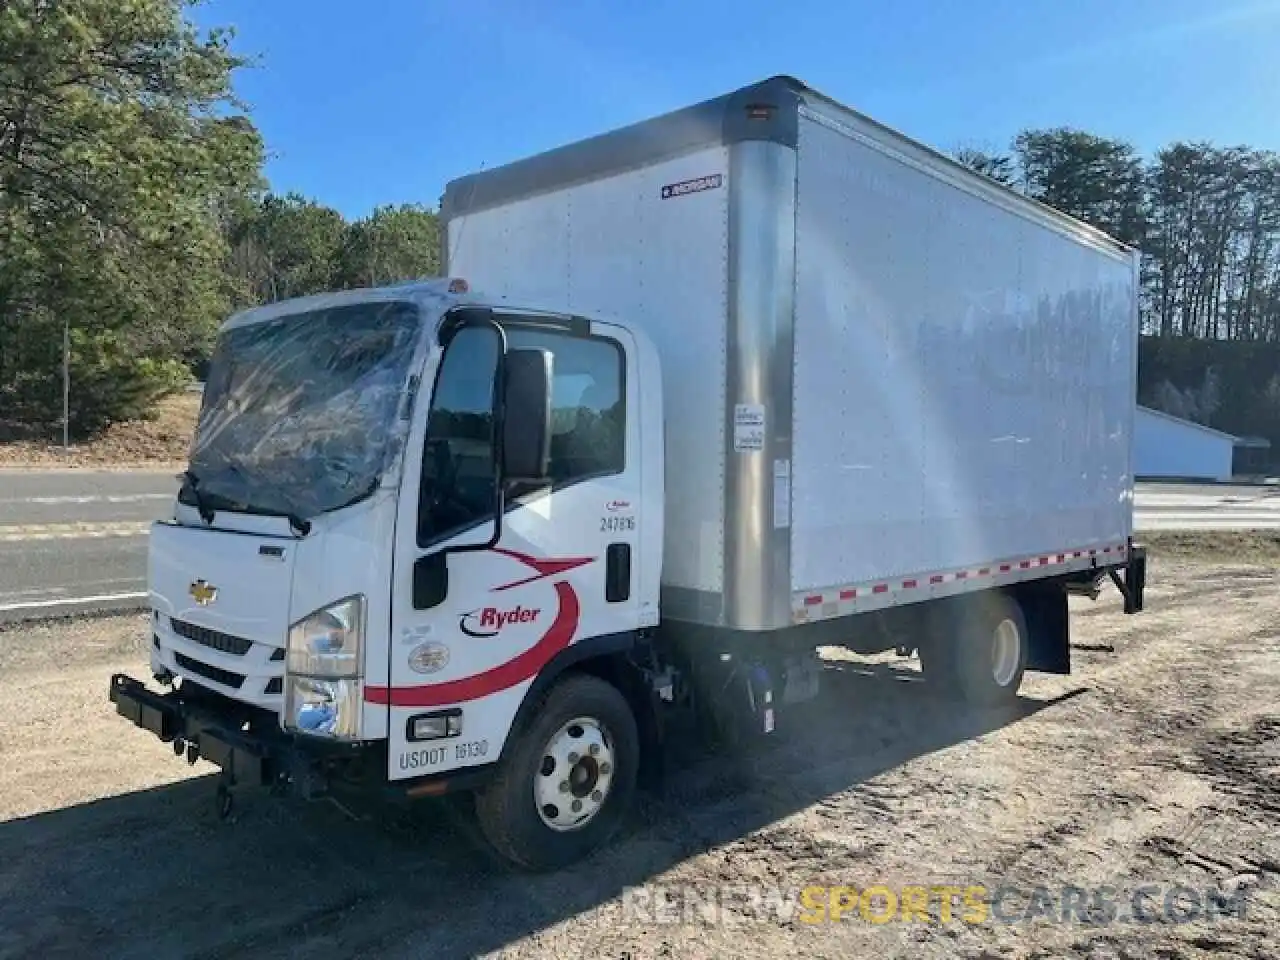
<point x="850" y="593"/>
<point x="502" y="677"/>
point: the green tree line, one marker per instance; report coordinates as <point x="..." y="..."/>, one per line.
<point x="134" y="214"/>
<point x="1207" y="220"/>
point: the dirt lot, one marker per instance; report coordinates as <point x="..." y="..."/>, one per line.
<point x="159" y="441"/>
<point x="1156" y="764"/>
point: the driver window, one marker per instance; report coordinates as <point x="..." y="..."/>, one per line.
<point x="587" y="423"/>
<point x="457" y="464"/>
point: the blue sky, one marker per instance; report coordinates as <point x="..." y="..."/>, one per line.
<point x="383" y="101"/>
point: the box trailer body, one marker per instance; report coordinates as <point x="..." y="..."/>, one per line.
<point x="882" y="371"/>
<point x="702" y="396"/>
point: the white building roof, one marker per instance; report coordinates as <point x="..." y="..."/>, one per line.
<point x="1189" y="424"/>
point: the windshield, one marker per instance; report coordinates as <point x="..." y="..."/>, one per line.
<point x="301" y="413"/>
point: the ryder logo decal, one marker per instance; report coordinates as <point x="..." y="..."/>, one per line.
<point x="489" y="621"/>
<point x="519" y="668"/>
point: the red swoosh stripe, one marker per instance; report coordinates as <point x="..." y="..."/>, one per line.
<point x="502" y="677"/>
<point x="544" y="568"/>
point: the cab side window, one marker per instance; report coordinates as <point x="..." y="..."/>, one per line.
<point x="588" y="417"/>
<point x="588" y="423"/>
<point x="457" y="463"/>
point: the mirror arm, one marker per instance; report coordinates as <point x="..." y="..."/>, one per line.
<point x="499" y="435"/>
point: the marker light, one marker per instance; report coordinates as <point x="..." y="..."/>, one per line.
<point x="436" y="726"/>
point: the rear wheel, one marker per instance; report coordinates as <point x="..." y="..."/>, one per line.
<point x="978" y="649"/>
<point x="567" y="783"/>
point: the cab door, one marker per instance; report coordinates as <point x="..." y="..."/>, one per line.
<point x="474" y="621"/>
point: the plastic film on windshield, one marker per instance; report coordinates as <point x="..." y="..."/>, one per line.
<point x="303" y="411"/>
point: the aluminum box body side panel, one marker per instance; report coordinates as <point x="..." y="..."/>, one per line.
<point x="964" y="372"/>
<point x="616" y="247"/>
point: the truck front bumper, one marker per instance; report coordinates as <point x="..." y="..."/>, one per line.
<point x="238" y="740"/>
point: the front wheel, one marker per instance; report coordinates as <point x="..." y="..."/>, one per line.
<point x="978" y="649"/>
<point x="567" y="783"/>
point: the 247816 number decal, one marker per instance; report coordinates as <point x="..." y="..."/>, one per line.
<point x="617" y="524"/>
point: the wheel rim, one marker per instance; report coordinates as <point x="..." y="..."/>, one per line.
<point x="573" y="781"/>
<point x="1006" y="650"/>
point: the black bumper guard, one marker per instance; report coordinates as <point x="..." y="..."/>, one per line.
<point x="199" y="730"/>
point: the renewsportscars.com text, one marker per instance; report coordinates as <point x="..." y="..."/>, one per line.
<point x="973" y="904"/>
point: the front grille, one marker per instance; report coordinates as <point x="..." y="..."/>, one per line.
<point x="274" y="685"/>
<point x="213" y="639"/>
<point x="209" y="672"/>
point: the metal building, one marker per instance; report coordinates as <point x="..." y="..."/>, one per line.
<point x="1167" y="446"/>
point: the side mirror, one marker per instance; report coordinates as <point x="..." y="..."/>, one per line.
<point x="526" y="425"/>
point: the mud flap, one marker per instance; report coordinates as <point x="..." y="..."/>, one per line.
<point x="1044" y="607"/>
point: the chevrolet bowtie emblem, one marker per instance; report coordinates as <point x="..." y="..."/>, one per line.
<point x="203" y="593"/>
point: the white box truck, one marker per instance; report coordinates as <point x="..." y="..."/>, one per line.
<point x="706" y="394"/>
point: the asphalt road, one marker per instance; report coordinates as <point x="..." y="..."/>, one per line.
<point x="74" y="541"/>
<point x="1169" y="506"/>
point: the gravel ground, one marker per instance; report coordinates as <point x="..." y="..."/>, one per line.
<point x="161" y="440"/>
<point x="1155" y="766"/>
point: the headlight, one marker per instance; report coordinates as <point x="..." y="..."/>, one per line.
<point x="323" y="671"/>
<point x="327" y="643"/>
<point x="323" y="708"/>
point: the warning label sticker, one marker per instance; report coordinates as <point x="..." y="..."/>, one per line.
<point x="686" y="187"/>
<point x="748" y="427"/>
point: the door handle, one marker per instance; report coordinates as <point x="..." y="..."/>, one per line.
<point x="430" y="580"/>
<point x="617" y="572"/>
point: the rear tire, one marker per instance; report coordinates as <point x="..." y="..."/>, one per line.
<point x="568" y="781"/>
<point x="978" y="649"/>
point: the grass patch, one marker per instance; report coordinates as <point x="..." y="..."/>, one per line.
<point x="1234" y="546"/>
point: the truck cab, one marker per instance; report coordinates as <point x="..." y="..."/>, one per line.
<point x="404" y="507"/>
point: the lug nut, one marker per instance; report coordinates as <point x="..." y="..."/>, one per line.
<point x="577" y="805"/>
<point x="606" y="768"/>
<point x="597" y="796"/>
<point x="574" y="758"/>
<point x="595" y="749"/>
<point x="564" y="786"/>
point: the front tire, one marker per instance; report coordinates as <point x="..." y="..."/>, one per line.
<point x="978" y="649"/>
<point x="569" y="779"/>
